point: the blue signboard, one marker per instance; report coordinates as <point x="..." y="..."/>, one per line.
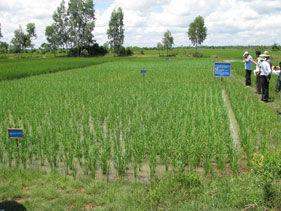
<point x="222" y="70"/>
<point x="167" y="59"/>
<point x="15" y="133"/>
<point x="143" y="71"/>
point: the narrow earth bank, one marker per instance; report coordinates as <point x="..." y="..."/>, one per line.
<point x="234" y="128"/>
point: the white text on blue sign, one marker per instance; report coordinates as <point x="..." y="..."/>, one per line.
<point x="222" y="70"/>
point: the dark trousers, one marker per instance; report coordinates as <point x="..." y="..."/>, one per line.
<point x="248" y="77"/>
<point x="264" y="87"/>
<point x="258" y="85"/>
<point x="278" y="85"/>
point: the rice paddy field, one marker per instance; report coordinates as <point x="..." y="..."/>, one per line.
<point x="175" y="130"/>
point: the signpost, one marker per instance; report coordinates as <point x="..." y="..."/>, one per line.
<point x="16" y="134"/>
<point x="222" y="70"/>
<point x="167" y="59"/>
<point x="143" y="72"/>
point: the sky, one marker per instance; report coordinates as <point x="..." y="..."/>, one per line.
<point x="229" y="22"/>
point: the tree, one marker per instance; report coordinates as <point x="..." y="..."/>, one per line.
<point x="0" y="32"/>
<point x="81" y="22"/>
<point x="19" y="41"/>
<point x="45" y="47"/>
<point x="51" y="33"/>
<point x="168" y="40"/>
<point x="61" y="21"/>
<point x="116" y="30"/>
<point x="197" y="31"/>
<point x="159" y="47"/>
<point x="4" y="47"/>
<point x="31" y="35"/>
<point x="106" y="46"/>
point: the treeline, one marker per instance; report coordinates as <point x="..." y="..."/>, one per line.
<point x="71" y="32"/>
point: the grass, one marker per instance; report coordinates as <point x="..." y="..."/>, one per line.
<point x="36" y="190"/>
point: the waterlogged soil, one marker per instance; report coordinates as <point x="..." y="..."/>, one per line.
<point x="232" y="60"/>
<point x="143" y="174"/>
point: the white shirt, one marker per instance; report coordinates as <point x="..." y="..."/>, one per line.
<point x="276" y="72"/>
<point x="265" y="68"/>
<point x="257" y="67"/>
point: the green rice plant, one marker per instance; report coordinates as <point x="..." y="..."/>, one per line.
<point x="103" y="115"/>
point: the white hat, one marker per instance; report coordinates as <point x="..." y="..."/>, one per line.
<point x="263" y="57"/>
<point x="266" y="53"/>
<point x="246" y="53"/>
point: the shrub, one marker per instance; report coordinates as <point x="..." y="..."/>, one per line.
<point x="268" y="165"/>
<point x="84" y="53"/>
<point x="129" y="52"/>
<point x="197" y="55"/>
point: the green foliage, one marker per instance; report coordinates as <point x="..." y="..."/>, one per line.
<point x="81" y="23"/>
<point x="52" y="38"/>
<point x="129" y="52"/>
<point x="73" y="26"/>
<point x="61" y="24"/>
<point x="116" y="30"/>
<point x="268" y="164"/>
<point x="1" y="35"/>
<point x="4" y="47"/>
<point x="197" y="31"/>
<point x="167" y="41"/>
<point x="30" y="29"/>
<point x="275" y="47"/>
<point x="21" y="41"/>
<point x="197" y="55"/>
<point x="84" y="53"/>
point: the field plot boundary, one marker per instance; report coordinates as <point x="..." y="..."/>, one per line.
<point x="36" y="70"/>
<point x="233" y="124"/>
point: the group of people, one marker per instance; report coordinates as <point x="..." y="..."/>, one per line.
<point x="264" y="70"/>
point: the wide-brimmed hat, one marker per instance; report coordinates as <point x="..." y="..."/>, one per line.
<point x="266" y="53"/>
<point x="263" y="57"/>
<point x="246" y="53"/>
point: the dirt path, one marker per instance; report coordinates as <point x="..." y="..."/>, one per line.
<point x="234" y="128"/>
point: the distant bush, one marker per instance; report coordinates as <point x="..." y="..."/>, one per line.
<point x="94" y="50"/>
<point x="125" y="52"/>
<point x="122" y="51"/>
<point x="197" y="55"/>
<point x="275" y="47"/>
<point x="129" y="52"/>
<point x="84" y="53"/>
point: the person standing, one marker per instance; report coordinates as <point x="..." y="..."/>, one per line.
<point x="264" y="77"/>
<point x="248" y="67"/>
<point x="258" y="81"/>
<point x="276" y="70"/>
<point x="266" y="53"/>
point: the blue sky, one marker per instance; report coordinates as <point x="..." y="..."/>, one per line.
<point x="229" y="22"/>
<point x="103" y="5"/>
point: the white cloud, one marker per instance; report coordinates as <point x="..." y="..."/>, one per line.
<point x="229" y="22"/>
